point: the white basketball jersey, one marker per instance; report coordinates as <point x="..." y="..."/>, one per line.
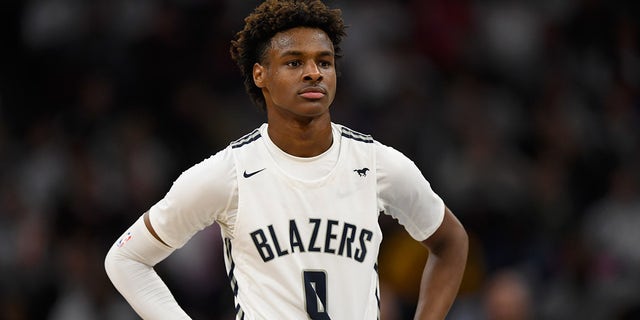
<point x="305" y="249"/>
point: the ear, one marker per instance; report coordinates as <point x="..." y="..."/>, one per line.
<point x="259" y="73"/>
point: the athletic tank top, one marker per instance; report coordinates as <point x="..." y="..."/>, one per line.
<point x="305" y="249"/>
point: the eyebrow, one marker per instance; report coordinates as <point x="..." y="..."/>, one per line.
<point x="299" y="53"/>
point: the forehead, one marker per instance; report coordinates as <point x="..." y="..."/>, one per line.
<point x="301" y="39"/>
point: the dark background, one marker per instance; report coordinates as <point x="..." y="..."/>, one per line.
<point x="523" y="115"/>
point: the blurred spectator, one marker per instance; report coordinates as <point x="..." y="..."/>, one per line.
<point x="508" y="296"/>
<point x="611" y="233"/>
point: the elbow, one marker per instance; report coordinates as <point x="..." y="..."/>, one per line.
<point x="459" y="240"/>
<point x="456" y="243"/>
<point x="463" y="239"/>
<point x="451" y="238"/>
<point x="110" y="263"/>
<point x="464" y="244"/>
<point x="114" y="264"/>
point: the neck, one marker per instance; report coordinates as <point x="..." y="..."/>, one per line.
<point x="307" y="138"/>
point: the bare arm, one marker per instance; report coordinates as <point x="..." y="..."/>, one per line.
<point x="443" y="271"/>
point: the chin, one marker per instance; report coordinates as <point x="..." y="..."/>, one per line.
<point x="314" y="109"/>
<point x="304" y="109"/>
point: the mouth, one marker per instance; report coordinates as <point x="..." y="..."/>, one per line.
<point x="313" y="93"/>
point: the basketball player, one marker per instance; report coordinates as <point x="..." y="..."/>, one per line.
<point x="298" y="199"/>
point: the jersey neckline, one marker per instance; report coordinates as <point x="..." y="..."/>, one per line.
<point x="325" y="163"/>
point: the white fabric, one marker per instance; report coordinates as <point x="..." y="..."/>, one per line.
<point x="129" y="264"/>
<point x="405" y="194"/>
<point x="299" y="189"/>
<point x="311" y="168"/>
<point x="303" y="246"/>
<point x="203" y="194"/>
<point x="208" y="192"/>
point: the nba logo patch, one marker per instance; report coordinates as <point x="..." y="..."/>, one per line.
<point x="124" y="239"/>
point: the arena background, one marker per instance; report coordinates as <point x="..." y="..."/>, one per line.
<point x="523" y="115"/>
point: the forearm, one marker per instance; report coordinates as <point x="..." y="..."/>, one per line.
<point x="439" y="287"/>
<point x="443" y="271"/>
<point x="129" y="265"/>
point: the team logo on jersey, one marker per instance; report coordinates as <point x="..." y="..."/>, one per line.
<point x="124" y="239"/>
<point x="250" y="174"/>
<point x="361" y="172"/>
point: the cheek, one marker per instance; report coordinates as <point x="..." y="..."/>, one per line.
<point x="283" y="83"/>
<point x="281" y="90"/>
<point x="332" y="82"/>
<point x="331" y="76"/>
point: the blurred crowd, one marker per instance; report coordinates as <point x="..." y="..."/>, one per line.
<point x="523" y="115"/>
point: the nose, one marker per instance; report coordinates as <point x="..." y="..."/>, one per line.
<point x="312" y="73"/>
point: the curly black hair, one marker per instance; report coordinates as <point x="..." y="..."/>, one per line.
<point x="271" y="17"/>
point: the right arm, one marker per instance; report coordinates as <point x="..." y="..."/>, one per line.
<point x="129" y="264"/>
<point x="201" y="195"/>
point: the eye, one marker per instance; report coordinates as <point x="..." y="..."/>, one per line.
<point x="294" y="63"/>
<point x="325" y="64"/>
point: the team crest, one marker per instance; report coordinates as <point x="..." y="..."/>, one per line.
<point x="361" y="172"/>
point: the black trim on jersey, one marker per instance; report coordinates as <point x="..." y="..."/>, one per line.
<point x="239" y="312"/>
<point x="375" y="267"/>
<point x="227" y="246"/>
<point x="355" y="135"/>
<point x="246" y="139"/>
<point x="232" y="278"/>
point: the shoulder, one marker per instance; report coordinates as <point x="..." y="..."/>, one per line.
<point x="247" y="139"/>
<point x="349" y="133"/>
<point x="396" y="172"/>
<point x="208" y="174"/>
<point x="390" y="160"/>
<point x="405" y="193"/>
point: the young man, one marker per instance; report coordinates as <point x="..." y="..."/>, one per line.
<point x="297" y="199"/>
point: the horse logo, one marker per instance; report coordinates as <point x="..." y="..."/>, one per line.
<point x="361" y="172"/>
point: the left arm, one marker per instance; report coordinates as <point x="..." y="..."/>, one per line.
<point x="406" y="195"/>
<point x="443" y="271"/>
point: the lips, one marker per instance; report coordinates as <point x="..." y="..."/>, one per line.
<point x="314" y="92"/>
